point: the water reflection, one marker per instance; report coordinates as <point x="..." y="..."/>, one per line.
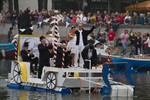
<point x="142" y="90"/>
<point x="32" y="95"/>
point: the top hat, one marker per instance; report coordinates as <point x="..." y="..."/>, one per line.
<point x="26" y="44"/>
<point x="42" y="37"/>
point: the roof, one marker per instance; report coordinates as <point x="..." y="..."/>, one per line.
<point x="144" y="6"/>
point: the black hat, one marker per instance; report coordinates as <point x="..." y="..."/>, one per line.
<point x="11" y="28"/>
<point x="26" y="44"/>
<point x="42" y="37"/>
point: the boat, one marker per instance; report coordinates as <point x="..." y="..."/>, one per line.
<point x="142" y="62"/>
<point x="137" y="62"/>
<point x="68" y="80"/>
<point x="7" y="51"/>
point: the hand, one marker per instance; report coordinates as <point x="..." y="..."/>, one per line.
<point x="31" y="53"/>
<point x="49" y="42"/>
<point x="94" y="24"/>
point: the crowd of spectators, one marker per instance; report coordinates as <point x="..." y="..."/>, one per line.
<point x="80" y="16"/>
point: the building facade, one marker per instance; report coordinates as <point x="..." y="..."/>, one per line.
<point x="67" y="5"/>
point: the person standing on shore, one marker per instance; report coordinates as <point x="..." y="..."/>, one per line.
<point x="132" y="39"/>
<point x="138" y="44"/>
<point x="10" y="34"/>
<point x="81" y="41"/>
<point x="124" y="40"/>
<point x="147" y="44"/>
<point x="111" y="37"/>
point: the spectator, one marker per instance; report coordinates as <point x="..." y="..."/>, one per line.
<point x="132" y="39"/>
<point x="14" y="18"/>
<point x="135" y="20"/>
<point x="124" y="40"/>
<point x="147" y="18"/>
<point x="10" y="33"/>
<point x="141" y="19"/>
<point x="111" y="37"/>
<point x="147" y="44"/>
<point x="127" y="19"/>
<point x="138" y="44"/>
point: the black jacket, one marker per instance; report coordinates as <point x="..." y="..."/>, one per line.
<point x="85" y="33"/>
<point x="25" y="55"/>
<point x="85" y="53"/>
<point x="59" y="56"/>
<point x="43" y="55"/>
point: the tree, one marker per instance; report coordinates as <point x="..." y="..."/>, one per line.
<point x="10" y="3"/>
<point x="42" y="4"/>
<point x="16" y="5"/>
<point x="1" y="5"/>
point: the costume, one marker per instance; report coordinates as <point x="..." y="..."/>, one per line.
<point x="43" y="58"/>
<point x="67" y="58"/>
<point x="89" y="53"/>
<point x="71" y="44"/>
<point x="26" y="57"/>
<point x="81" y="41"/>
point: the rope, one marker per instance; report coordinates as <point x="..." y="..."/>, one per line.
<point x="96" y="87"/>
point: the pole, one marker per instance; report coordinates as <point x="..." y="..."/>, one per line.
<point x="89" y="75"/>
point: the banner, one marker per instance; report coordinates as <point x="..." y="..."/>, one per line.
<point x="33" y="42"/>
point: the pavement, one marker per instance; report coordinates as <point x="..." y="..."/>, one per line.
<point x="3" y="38"/>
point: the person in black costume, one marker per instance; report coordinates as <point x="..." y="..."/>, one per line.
<point x="67" y="58"/>
<point x="89" y="53"/>
<point x="24" y="22"/>
<point x="43" y="55"/>
<point x="28" y="56"/>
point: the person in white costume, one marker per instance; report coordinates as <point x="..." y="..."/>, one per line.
<point x="81" y="42"/>
<point x="71" y="37"/>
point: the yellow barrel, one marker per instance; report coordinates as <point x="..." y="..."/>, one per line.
<point x="76" y="74"/>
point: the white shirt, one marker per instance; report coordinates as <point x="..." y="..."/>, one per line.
<point x="80" y="38"/>
<point x="89" y="54"/>
<point x="148" y="41"/>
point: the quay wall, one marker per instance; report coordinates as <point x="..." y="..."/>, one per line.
<point x="63" y="30"/>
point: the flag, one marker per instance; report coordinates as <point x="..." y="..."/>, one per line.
<point x="46" y="20"/>
<point x="31" y="27"/>
<point x="67" y="24"/>
<point x="22" y="30"/>
<point x="40" y="23"/>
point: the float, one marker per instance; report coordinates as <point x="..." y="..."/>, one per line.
<point x="68" y="80"/>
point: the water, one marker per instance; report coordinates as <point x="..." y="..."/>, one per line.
<point x="142" y="89"/>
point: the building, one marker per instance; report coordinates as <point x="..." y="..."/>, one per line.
<point x="67" y="5"/>
<point x="23" y="4"/>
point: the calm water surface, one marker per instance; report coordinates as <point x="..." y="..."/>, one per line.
<point x="142" y="89"/>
